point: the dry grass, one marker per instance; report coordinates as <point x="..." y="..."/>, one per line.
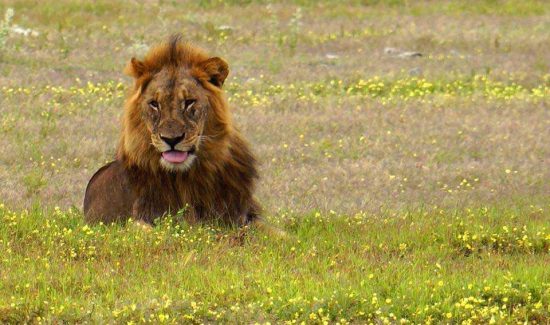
<point x="329" y="151"/>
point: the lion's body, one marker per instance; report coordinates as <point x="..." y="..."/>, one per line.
<point x="217" y="184"/>
<point x="117" y="192"/>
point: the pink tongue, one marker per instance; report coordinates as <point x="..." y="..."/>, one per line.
<point x="175" y="156"/>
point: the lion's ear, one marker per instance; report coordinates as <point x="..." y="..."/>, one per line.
<point x="135" y="68"/>
<point x="216" y="69"/>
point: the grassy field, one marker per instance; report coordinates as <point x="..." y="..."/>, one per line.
<point x="403" y="146"/>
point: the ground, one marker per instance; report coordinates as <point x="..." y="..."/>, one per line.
<point x="403" y="146"/>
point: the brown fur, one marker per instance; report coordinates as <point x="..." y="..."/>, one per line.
<point x="219" y="184"/>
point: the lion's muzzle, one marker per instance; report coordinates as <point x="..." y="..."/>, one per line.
<point x="172" y="142"/>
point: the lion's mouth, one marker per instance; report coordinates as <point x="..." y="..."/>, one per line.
<point x="177" y="156"/>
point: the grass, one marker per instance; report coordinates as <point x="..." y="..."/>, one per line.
<point x="479" y="265"/>
<point x="414" y="189"/>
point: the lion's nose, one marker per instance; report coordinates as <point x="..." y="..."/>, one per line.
<point x="172" y="142"/>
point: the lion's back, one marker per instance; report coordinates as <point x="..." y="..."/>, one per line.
<point x="109" y="196"/>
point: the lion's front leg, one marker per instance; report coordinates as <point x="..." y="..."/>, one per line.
<point x="146" y="210"/>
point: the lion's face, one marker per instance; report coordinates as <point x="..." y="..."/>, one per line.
<point x="176" y="113"/>
<point x="174" y="107"/>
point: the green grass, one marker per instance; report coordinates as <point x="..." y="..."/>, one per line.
<point x="417" y="266"/>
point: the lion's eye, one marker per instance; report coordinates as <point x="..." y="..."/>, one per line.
<point x="154" y="105"/>
<point x="189" y="103"/>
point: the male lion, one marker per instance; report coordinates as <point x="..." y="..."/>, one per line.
<point x="178" y="146"/>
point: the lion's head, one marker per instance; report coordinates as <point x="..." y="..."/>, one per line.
<point x="176" y="112"/>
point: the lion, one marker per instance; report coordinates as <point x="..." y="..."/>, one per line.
<point x="178" y="147"/>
